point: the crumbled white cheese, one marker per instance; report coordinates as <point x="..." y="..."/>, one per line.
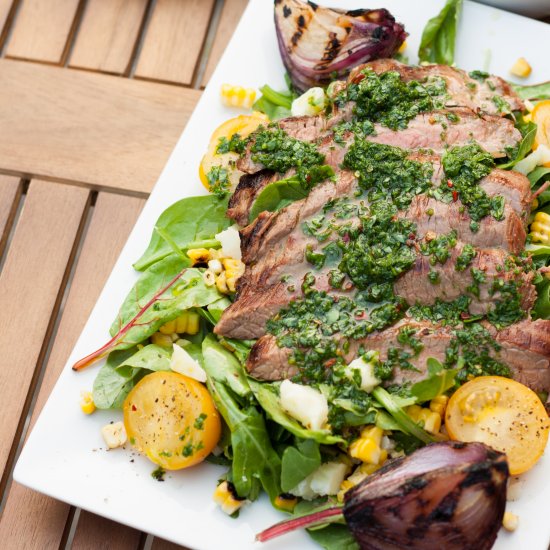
<point x="305" y="404"/>
<point x="183" y="363"/>
<point x="231" y="242"/>
<point x="537" y="158"/>
<point x="310" y="103"/>
<point x="114" y="435"/>
<point x="326" y="480"/>
<point x="366" y="371"/>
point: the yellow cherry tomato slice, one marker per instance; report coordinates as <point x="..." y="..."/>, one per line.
<point x="243" y="125"/>
<point x="541" y="117"/>
<point x="502" y="413"/>
<point x="171" y="418"/>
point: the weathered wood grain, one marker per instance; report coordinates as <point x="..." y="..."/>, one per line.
<point x="231" y="13"/>
<point x="30" y="283"/>
<point x="107" y="35"/>
<point x="10" y="192"/>
<point x="161" y="544"/>
<point x="41" y="29"/>
<point x="112" y="219"/>
<point x="5" y="7"/>
<point x="95" y="532"/>
<point x="174" y="39"/>
<point x="90" y="128"/>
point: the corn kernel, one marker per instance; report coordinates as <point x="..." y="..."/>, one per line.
<point x="215" y="266"/>
<point x="87" y="404"/>
<point x="198" y="255"/>
<point x="345" y="486"/>
<point x="159" y="339"/>
<point x="403" y="47"/>
<point x="414" y="412"/>
<point x="114" y="435"/>
<point x="237" y="96"/>
<point x="431" y="420"/>
<point x="367" y="447"/>
<point x="439" y="404"/>
<point x="226" y="497"/>
<point x="510" y="521"/>
<point x="181" y="323"/>
<point x="521" y="68"/>
<point x="286" y="502"/>
<point x="168" y="328"/>
<point x="193" y="322"/>
<point x="221" y="283"/>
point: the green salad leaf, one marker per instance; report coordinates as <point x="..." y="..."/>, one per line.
<point x="123" y="370"/>
<point x="439" y="381"/>
<point x="298" y="462"/>
<point x="281" y="193"/>
<point x="438" y="38"/>
<point x="188" y="223"/>
<point x="268" y="397"/>
<point x="538" y="174"/>
<point x="275" y="105"/>
<point x="525" y="146"/>
<point x="533" y="91"/>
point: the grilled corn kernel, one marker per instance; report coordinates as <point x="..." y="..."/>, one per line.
<point x="521" y="68"/>
<point x="226" y="497"/>
<point x="358" y="475"/>
<point x="233" y="268"/>
<point x="168" y="328"/>
<point x="221" y="283"/>
<point x="215" y="253"/>
<point x="510" y="521"/>
<point x="345" y="486"/>
<point x="431" y="420"/>
<point x="439" y="404"/>
<point x="193" y="321"/>
<point x="114" y="435"/>
<point x="198" y="255"/>
<point x="286" y="502"/>
<point x="215" y="266"/>
<point x="209" y="277"/>
<point x="367" y="448"/>
<point x="540" y="228"/>
<point x="164" y="340"/>
<point x="181" y="323"/>
<point x="87" y="404"/>
<point x="414" y="412"/>
<point x="237" y="96"/>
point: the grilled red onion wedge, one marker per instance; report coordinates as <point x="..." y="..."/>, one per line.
<point x="445" y="496"/>
<point x="318" y="43"/>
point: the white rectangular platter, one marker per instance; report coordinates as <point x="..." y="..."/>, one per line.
<point x="64" y="456"/>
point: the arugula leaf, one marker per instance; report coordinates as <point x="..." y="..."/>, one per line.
<point x="533" y="91"/>
<point x="524" y="147"/>
<point x="408" y="425"/>
<point x="188" y="223"/>
<point x="281" y="193"/>
<point x="438" y="38"/>
<point x="267" y="396"/>
<point x="123" y="370"/>
<point x="161" y="294"/>
<point x="438" y="382"/>
<point x="298" y="462"/>
<point x="221" y="365"/>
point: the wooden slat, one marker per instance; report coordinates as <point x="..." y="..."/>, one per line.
<point x="33" y="274"/>
<point x="107" y="35"/>
<point x="31" y="520"/>
<point x="231" y="13"/>
<point x="174" y="40"/>
<point x="161" y="544"/>
<point x="88" y="127"/>
<point x="41" y="29"/>
<point x="10" y="192"/>
<point x="5" y="7"/>
<point x="95" y="532"/>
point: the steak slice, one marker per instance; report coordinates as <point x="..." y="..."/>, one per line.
<point x="525" y="350"/>
<point x="464" y="91"/>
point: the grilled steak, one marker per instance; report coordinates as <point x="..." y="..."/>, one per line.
<point x="525" y="349"/>
<point x="464" y="91"/>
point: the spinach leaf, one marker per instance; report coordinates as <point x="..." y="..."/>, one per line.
<point x="255" y="462"/>
<point x="267" y="396"/>
<point x="533" y="91"/>
<point x="541" y="310"/>
<point x="188" y="223"/>
<point x="298" y="462"/>
<point x="438" y="382"/>
<point x="438" y="38"/>
<point x="524" y="147"/>
<point x="281" y="193"/>
<point x="537" y="174"/>
<point x="123" y="370"/>
<point x="221" y="365"/>
<point x="334" y="537"/>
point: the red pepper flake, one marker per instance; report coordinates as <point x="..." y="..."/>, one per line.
<point x="134" y="408"/>
<point x="455" y="196"/>
<point x="360" y="315"/>
<point x="329" y="363"/>
<point x="449" y="183"/>
<point x="464" y="315"/>
<point x="345" y="238"/>
<point x="412" y="236"/>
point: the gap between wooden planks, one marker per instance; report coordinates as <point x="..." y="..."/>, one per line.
<point x="89" y="128"/>
<point x="31" y="520"/>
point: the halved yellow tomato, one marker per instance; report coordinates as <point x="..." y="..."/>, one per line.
<point x="541" y="117"/>
<point x="243" y="125"/>
<point x="502" y="413"/>
<point x="172" y="419"/>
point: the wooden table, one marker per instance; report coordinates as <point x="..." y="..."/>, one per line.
<point x="93" y="96"/>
